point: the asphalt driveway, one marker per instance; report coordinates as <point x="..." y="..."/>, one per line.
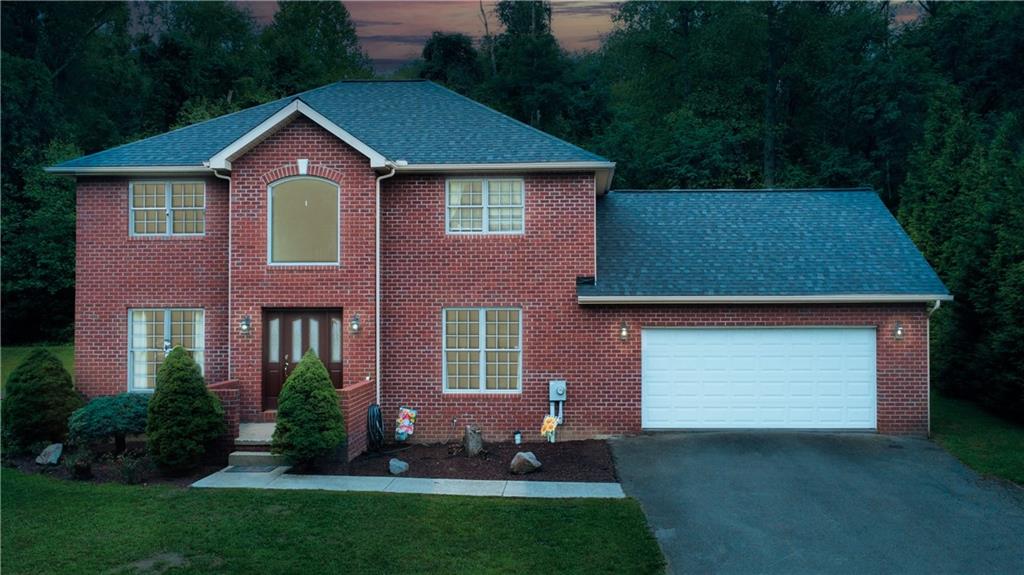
<point x="820" y="503"/>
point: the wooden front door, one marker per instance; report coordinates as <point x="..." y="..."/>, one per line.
<point x="287" y="335"/>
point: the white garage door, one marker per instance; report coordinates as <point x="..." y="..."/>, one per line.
<point x="802" y="378"/>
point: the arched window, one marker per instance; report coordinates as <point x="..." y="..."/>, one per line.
<point x="304" y="222"/>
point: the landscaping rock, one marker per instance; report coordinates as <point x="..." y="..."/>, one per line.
<point x="524" y="462"/>
<point x="473" y="441"/>
<point x="397" y="466"/>
<point x="50" y="455"/>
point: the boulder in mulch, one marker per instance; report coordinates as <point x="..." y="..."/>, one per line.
<point x="50" y="455"/>
<point x="524" y="462"/>
<point x="397" y="466"/>
<point x="473" y="441"/>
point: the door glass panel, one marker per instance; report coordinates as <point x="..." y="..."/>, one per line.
<point x="314" y="336"/>
<point x="335" y="340"/>
<point x="274" y="341"/>
<point x="296" y="340"/>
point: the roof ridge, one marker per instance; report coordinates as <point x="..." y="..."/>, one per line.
<point x="741" y="190"/>
<point x="504" y="115"/>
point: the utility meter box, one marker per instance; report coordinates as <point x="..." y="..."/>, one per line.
<point x="556" y="390"/>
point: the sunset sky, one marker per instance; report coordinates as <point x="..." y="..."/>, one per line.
<point x="393" y="33"/>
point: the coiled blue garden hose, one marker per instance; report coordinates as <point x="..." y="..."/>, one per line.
<point x="375" y="427"/>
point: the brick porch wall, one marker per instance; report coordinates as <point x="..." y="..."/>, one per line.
<point x="355" y="400"/>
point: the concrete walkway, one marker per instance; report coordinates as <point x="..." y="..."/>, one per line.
<point x="232" y="477"/>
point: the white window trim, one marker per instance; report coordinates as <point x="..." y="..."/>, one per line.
<point x="168" y="210"/>
<point x="270" y="223"/>
<point x="482" y="389"/>
<point x="485" y="198"/>
<point x="167" y="336"/>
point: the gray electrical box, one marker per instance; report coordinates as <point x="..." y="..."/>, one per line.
<point x="556" y="390"/>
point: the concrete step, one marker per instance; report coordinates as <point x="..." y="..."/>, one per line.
<point x="255" y="459"/>
<point x="254" y="434"/>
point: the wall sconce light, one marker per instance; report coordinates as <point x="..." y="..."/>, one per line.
<point x="897" y="332"/>
<point x="167" y="347"/>
<point x="355" y="325"/>
<point x="623" y="331"/>
<point x="245" y="326"/>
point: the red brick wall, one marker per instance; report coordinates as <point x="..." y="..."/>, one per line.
<point x="256" y="285"/>
<point x="426" y="270"/>
<point x="115" y="272"/>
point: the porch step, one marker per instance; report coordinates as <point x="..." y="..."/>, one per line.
<point x="255" y="459"/>
<point x="254" y="434"/>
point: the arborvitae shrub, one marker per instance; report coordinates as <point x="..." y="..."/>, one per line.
<point x="309" y="421"/>
<point x="114" y="416"/>
<point x="184" y="416"/>
<point x="38" y="399"/>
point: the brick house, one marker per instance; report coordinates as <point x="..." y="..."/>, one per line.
<point x="437" y="254"/>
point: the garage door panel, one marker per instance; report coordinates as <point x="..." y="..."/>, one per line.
<point x="759" y="378"/>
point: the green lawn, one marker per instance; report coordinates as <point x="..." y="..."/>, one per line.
<point x="53" y="526"/>
<point x="11" y="357"/>
<point x="989" y="444"/>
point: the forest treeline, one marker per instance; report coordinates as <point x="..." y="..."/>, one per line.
<point x="765" y="94"/>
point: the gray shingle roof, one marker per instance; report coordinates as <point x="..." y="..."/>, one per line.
<point x="754" y="243"/>
<point x="417" y="121"/>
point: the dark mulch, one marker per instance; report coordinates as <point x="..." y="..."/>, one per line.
<point x="135" y="467"/>
<point x="589" y="461"/>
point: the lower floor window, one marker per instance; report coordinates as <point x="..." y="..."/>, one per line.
<point x="482" y="350"/>
<point x="153" y="334"/>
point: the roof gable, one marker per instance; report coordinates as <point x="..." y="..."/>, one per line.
<point x="760" y="245"/>
<point x="266" y="128"/>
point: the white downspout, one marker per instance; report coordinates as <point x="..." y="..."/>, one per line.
<point x="928" y="361"/>
<point x="377" y="279"/>
<point x="230" y="213"/>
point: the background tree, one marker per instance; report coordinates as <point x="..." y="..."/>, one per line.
<point x="451" y="60"/>
<point x="310" y="44"/>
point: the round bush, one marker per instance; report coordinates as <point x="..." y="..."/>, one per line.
<point x="184" y="416"/>
<point x="38" y="399"/>
<point x="114" y="416"/>
<point x="309" y="422"/>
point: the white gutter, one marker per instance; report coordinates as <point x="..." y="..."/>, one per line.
<point x="778" y="299"/>
<point x="230" y="311"/>
<point x="128" y="170"/>
<point x="928" y="358"/>
<point x="514" y="167"/>
<point x="377" y="278"/>
<point x="604" y="170"/>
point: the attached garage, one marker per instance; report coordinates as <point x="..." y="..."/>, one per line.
<point x="759" y="378"/>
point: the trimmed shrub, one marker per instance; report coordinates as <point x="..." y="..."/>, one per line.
<point x="309" y="422"/>
<point x="114" y="416"/>
<point x="38" y="399"/>
<point x="184" y="416"/>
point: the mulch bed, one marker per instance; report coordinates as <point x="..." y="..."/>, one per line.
<point x="107" y="468"/>
<point x="588" y="461"/>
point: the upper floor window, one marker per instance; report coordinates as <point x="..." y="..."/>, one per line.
<point x="167" y="208"/>
<point x="154" y="333"/>
<point x="304" y="224"/>
<point x="485" y="205"/>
